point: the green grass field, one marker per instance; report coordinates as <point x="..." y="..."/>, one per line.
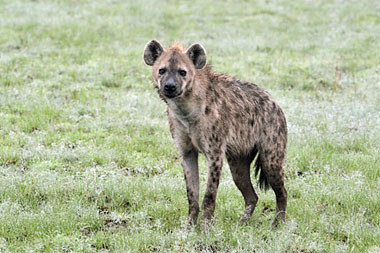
<point x="86" y="159"/>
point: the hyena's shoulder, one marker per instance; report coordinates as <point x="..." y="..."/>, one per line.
<point x="234" y="89"/>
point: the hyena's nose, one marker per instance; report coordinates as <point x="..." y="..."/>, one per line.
<point x="169" y="87"/>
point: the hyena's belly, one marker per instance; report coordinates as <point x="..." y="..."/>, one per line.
<point x="240" y="142"/>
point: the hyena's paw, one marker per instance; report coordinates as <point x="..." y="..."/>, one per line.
<point x="279" y="219"/>
<point x="247" y="214"/>
<point x="208" y="217"/>
<point x="207" y="224"/>
<point x="192" y="219"/>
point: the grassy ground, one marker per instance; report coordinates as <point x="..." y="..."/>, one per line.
<point x="86" y="159"/>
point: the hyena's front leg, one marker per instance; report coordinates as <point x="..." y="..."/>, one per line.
<point x="189" y="161"/>
<point x="215" y="164"/>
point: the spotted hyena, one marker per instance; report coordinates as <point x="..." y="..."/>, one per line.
<point x="220" y="117"/>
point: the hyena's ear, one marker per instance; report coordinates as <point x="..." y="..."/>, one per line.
<point x="197" y="55"/>
<point x="152" y="51"/>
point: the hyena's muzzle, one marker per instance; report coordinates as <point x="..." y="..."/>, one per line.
<point x="170" y="87"/>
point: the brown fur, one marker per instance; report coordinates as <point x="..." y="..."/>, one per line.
<point x="220" y="117"/>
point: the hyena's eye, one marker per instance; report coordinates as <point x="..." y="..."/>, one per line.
<point x="182" y="72"/>
<point x="161" y="71"/>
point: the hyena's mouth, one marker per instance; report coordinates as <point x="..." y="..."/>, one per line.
<point x="172" y="94"/>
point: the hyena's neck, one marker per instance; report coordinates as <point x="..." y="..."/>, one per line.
<point x="188" y="109"/>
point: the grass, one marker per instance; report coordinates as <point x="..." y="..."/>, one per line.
<point x="86" y="159"/>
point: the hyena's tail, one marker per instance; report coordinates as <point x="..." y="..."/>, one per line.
<point x="263" y="179"/>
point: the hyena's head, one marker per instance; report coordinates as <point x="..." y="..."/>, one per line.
<point x="174" y="68"/>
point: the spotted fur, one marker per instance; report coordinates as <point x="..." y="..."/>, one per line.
<point x="220" y="117"/>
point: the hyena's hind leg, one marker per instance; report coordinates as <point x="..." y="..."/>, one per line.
<point x="240" y="170"/>
<point x="281" y="200"/>
<point x="272" y="167"/>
